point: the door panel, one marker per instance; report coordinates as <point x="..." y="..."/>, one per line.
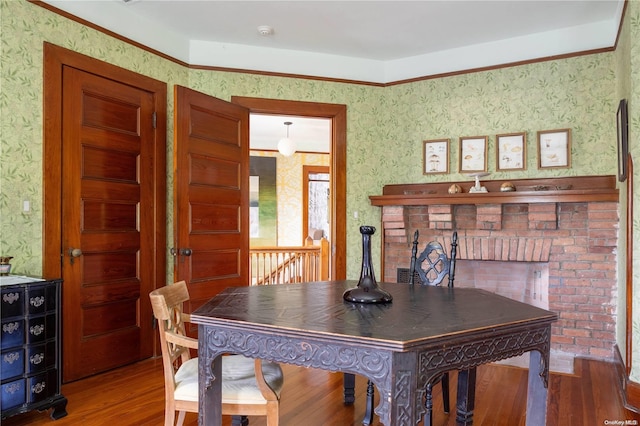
<point x="211" y="194"/>
<point x="107" y="213"/>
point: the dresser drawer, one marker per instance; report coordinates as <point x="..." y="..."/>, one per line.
<point x="13" y="394"/>
<point x="41" y="328"/>
<point x="37" y="300"/>
<point x="11" y="363"/>
<point x="12" y="333"/>
<point x="12" y="302"/>
<point x="40" y="357"/>
<point x="41" y="386"/>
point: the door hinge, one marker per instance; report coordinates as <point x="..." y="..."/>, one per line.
<point x="154" y="119"/>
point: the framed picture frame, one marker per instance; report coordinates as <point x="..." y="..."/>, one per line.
<point x="554" y="149"/>
<point x="435" y="157"/>
<point x="623" y="139"/>
<point x="473" y="154"/>
<point x="511" y="151"/>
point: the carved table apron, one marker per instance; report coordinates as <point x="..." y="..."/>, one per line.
<point x="399" y="346"/>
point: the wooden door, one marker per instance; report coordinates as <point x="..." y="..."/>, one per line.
<point x="107" y="223"/>
<point x="211" y="194"/>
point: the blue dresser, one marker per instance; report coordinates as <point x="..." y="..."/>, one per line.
<point x="30" y="346"/>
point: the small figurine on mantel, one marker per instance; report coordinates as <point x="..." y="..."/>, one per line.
<point x="455" y="189"/>
<point x="507" y="187"/>
<point x="478" y="187"/>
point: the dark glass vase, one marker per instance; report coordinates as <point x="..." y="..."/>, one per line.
<point x="367" y="290"/>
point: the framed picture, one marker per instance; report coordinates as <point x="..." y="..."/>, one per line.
<point x="511" y="151"/>
<point x="435" y="155"/>
<point x="623" y="140"/>
<point x="554" y="149"/>
<point x="263" y="201"/>
<point x="473" y="154"/>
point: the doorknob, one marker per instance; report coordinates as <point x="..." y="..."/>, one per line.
<point x="180" y="253"/>
<point x="74" y="252"/>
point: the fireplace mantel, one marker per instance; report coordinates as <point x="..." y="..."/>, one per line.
<point x="551" y="190"/>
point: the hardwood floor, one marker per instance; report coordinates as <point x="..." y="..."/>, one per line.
<point x="134" y="395"/>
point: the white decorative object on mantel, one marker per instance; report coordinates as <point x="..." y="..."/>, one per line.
<point x="478" y="187"/>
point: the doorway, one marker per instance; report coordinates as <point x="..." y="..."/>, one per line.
<point x="338" y="166"/>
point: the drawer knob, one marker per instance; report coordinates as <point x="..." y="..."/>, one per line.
<point x="10" y="298"/>
<point x="10" y="327"/>
<point x="36" y="358"/>
<point x="38" y="387"/>
<point x="36" y="301"/>
<point x="11" y="358"/>
<point x="36" y="330"/>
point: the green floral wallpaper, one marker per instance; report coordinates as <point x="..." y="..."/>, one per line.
<point x="385" y="126"/>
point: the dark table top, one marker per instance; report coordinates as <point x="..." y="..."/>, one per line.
<point x="418" y="314"/>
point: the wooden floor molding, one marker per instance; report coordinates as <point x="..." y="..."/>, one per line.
<point x="134" y="395"/>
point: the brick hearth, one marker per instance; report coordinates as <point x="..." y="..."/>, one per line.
<point x="576" y="240"/>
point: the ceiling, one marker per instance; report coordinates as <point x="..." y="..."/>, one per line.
<point x="309" y="134"/>
<point x="376" y="42"/>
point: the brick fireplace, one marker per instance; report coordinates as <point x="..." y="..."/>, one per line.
<point x="552" y="235"/>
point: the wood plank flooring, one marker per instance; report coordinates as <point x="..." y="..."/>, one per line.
<point x="134" y="395"/>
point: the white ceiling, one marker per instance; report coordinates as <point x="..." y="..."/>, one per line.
<point x="309" y="134"/>
<point x="369" y="41"/>
<point x="373" y="41"/>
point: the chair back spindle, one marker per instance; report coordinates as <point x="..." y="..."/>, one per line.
<point x="414" y="253"/>
<point x="452" y="258"/>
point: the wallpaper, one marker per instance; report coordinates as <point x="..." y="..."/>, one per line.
<point x="385" y="126"/>
<point x="24" y="28"/>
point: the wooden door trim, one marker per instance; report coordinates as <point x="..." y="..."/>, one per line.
<point x="629" y="269"/>
<point x="337" y="113"/>
<point x="55" y="58"/>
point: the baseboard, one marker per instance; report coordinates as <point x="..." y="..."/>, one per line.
<point x="632" y="396"/>
<point x="629" y="390"/>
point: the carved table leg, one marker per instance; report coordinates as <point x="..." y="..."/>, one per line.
<point x="210" y="383"/>
<point x="465" y="400"/>
<point x="402" y="390"/>
<point x="537" y="389"/>
<point x="428" y="404"/>
<point x="349" y="383"/>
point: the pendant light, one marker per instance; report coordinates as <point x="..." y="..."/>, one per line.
<point x="286" y="146"/>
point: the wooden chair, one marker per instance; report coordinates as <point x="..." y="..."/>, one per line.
<point x="430" y="268"/>
<point x="249" y="387"/>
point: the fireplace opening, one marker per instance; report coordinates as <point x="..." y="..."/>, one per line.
<point x="526" y="282"/>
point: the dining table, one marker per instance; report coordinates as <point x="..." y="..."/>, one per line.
<point x="401" y="345"/>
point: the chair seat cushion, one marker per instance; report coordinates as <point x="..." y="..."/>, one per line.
<point x="238" y="380"/>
